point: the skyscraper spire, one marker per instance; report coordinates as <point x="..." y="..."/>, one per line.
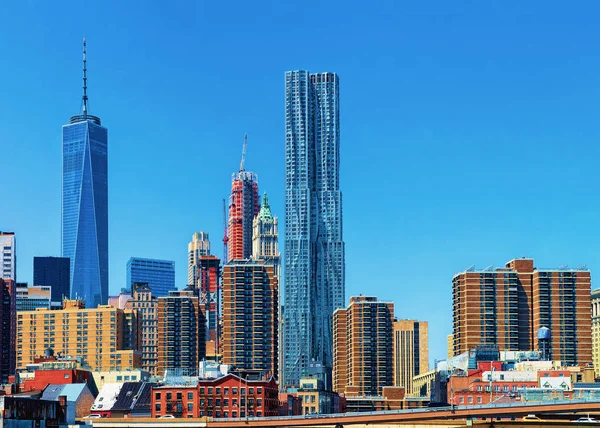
<point x="85" y="98"/>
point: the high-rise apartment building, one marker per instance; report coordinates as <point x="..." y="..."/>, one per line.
<point x="243" y="206"/>
<point x="181" y="332"/>
<point x="53" y="272"/>
<point x="208" y="284"/>
<point x="314" y="246"/>
<point x="85" y="203"/>
<point x="105" y="337"/>
<point x="8" y="328"/>
<point x="363" y="346"/>
<point x="411" y="352"/>
<point x="507" y="306"/>
<point x="595" y="299"/>
<point x="199" y="246"/>
<point x="158" y="274"/>
<point x="145" y="304"/>
<point x="32" y="297"/>
<point x="8" y="250"/>
<point x="250" y="301"/>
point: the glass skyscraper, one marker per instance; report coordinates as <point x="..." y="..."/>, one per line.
<point x="314" y="246"/>
<point x="85" y="204"/>
<point x="159" y="274"/>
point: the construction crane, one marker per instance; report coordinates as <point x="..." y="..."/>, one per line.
<point x="225" y="238"/>
<point x="244" y="152"/>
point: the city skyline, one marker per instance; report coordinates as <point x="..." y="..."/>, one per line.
<point x="437" y="225"/>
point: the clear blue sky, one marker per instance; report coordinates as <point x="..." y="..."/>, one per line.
<point x="469" y="129"/>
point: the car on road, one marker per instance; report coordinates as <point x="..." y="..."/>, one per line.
<point x="532" y="418"/>
<point x="93" y="416"/>
<point x="586" y="420"/>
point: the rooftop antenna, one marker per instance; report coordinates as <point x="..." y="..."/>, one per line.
<point x="85" y="98"/>
<point x="244" y="153"/>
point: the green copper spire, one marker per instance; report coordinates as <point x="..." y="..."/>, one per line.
<point x="265" y="209"/>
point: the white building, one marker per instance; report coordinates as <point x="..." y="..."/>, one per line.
<point x="8" y="250"/>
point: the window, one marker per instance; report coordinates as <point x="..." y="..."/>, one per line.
<point x="251" y="390"/>
<point x="209" y="391"/>
<point x="179" y="395"/>
<point x="259" y="414"/>
<point x="157" y="396"/>
<point x="461" y="400"/>
<point x="157" y="407"/>
<point x="259" y="402"/>
<point x="190" y="395"/>
<point x="234" y="390"/>
<point x="225" y="391"/>
<point x="119" y="378"/>
<point x="259" y="390"/>
<point x="201" y="391"/>
<point x="218" y="391"/>
<point x="169" y="396"/>
<point x="243" y="391"/>
<point x="478" y="400"/>
<point x="226" y="402"/>
<point x="66" y="375"/>
<point x="190" y="407"/>
<point x="470" y="399"/>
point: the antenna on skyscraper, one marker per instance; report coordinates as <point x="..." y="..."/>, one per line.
<point x="244" y="152"/>
<point x="85" y="98"/>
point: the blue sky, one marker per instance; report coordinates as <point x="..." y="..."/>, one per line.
<point x="469" y="129"/>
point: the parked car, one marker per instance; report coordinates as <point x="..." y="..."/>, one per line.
<point x="93" y="416"/>
<point x="167" y="417"/>
<point x="532" y="418"/>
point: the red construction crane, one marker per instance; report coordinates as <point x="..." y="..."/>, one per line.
<point x="225" y="238"/>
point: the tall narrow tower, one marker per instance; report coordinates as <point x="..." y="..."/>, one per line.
<point x="199" y="246"/>
<point x="85" y="202"/>
<point x="243" y="206"/>
<point x="314" y="246"/>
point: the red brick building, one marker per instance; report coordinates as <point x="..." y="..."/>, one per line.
<point x="226" y="397"/>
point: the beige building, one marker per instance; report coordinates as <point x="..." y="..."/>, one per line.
<point x="104" y="378"/>
<point x="105" y="337"/>
<point x="198" y="246"/>
<point x="144" y="303"/>
<point x="411" y="352"/>
<point x="363" y="345"/>
<point x="421" y="386"/>
<point x="450" y="346"/>
<point x="596" y="330"/>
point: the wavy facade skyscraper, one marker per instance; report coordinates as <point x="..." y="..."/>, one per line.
<point x="85" y="203"/>
<point x="314" y="246"/>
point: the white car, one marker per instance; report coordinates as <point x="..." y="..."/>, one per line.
<point x="167" y="417"/>
<point x="93" y="416"/>
<point x="586" y="420"/>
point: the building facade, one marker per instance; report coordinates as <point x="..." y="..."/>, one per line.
<point x="208" y="284"/>
<point x="31" y="297"/>
<point x="8" y="314"/>
<point x="8" y="250"/>
<point x="411" y="352"/>
<point x="145" y="303"/>
<point x="507" y="306"/>
<point x="314" y="246"/>
<point x="53" y="272"/>
<point x="158" y="274"/>
<point x="229" y="396"/>
<point x="363" y="346"/>
<point x="250" y="301"/>
<point x="105" y="337"/>
<point x="85" y="204"/>
<point x="595" y="300"/>
<point x="181" y="331"/>
<point x="199" y="246"/>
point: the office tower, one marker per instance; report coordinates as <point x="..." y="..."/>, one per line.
<point x="314" y="246"/>
<point x="8" y="250"/>
<point x="363" y="346"/>
<point x="411" y="352"/>
<point x="507" y="306"/>
<point x="53" y="272"/>
<point x="158" y="274"/>
<point x="31" y="297"/>
<point x="265" y="236"/>
<point x="100" y="336"/>
<point x="181" y="331"/>
<point x="209" y="275"/>
<point x="85" y="203"/>
<point x="450" y="345"/>
<point x="243" y="206"/>
<point x="250" y="300"/>
<point x="199" y="246"/>
<point x="8" y="328"/>
<point x="145" y="304"/>
<point x="265" y="247"/>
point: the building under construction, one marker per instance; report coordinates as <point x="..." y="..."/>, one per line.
<point x="243" y="206"/>
<point x="209" y="273"/>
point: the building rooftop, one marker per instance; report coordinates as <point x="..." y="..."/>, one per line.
<point x="107" y="397"/>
